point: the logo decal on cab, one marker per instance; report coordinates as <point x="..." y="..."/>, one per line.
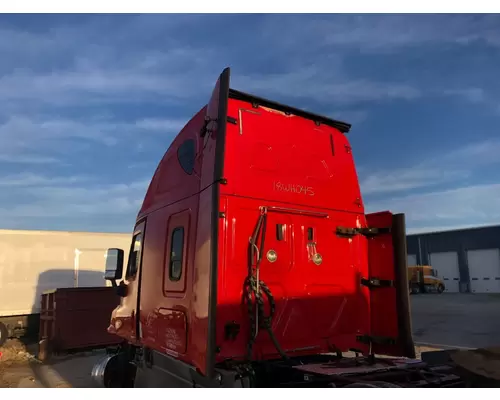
<point x="293" y="188"/>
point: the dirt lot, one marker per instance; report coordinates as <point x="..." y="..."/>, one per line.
<point x="20" y="368"/>
<point x="439" y="321"/>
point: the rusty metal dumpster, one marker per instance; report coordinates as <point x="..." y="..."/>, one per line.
<point x="77" y="318"/>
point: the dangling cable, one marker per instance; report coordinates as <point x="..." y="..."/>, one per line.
<point x="253" y="288"/>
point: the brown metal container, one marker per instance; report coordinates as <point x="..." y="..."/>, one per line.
<point x="77" y="318"/>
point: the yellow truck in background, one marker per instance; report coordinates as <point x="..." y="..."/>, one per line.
<point x="424" y="279"/>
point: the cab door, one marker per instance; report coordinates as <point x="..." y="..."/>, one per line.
<point x="125" y="318"/>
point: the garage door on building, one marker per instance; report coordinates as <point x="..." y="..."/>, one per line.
<point x="484" y="270"/>
<point x="412" y="259"/>
<point x="446" y="265"/>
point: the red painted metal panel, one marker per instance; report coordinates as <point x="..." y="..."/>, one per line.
<point x="289" y="159"/>
<point x="388" y="317"/>
<point x="319" y="307"/>
<point x="390" y="314"/>
<point x="384" y="321"/>
<point x="305" y="175"/>
<point x="76" y="318"/>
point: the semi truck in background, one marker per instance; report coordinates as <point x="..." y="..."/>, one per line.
<point x="424" y="279"/>
<point x="32" y="262"/>
<point x="254" y="264"/>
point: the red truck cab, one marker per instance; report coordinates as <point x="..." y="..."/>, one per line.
<point x="252" y="249"/>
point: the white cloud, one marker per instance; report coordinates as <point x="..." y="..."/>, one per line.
<point x="20" y="132"/>
<point x="473" y="94"/>
<point x="402" y="179"/>
<point x="80" y="87"/>
<point x="27" y="179"/>
<point x="320" y="84"/>
<point x="465" y="205"/>
<point x="428" y="208"/>
<point x="163" y="125"/>
<point x="93" y="63"/>
<point x="386" y="32"/>
<point x="98" y="64"/>
<point x="72" y="202"/>
<point x="35" y="140"/>
<point x="476" y="153"/>
<point x="97" y="70"/>
<point x="38" y="141"/>
<point x="432" y="170"/>
<point x="27" y="159"/>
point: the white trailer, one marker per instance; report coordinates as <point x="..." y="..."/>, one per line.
<point x="32" y="262"/>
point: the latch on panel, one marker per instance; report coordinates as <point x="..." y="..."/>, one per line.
<point x="346" y="232"/>
<point x="367" y="232"/>
<point x="377" y="283"/>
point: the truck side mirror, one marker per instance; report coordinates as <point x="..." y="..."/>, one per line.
<point x="114" y="265"/>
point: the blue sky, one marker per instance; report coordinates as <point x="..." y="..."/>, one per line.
<point x="89" y="104"/>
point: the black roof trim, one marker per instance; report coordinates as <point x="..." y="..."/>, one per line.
<point x="343" y="127"/>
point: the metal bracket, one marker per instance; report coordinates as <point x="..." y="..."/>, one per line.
<point x="383" y="340"/>
<point x="372" y="232"/>
<point x="367" y="232"/>
<point x="346" y="232"/>
<point x="377" y="283"/>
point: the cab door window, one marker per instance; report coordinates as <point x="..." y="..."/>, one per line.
<point x="135" y="256"/>
<point x="176" y="254"/>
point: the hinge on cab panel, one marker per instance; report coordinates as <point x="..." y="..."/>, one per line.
<point x="346" y="232"/>
<point x="204" y="129"/>
<point x="383" y="340"/>
<point x="377" y="283"/>
<point x="368" y="232"/>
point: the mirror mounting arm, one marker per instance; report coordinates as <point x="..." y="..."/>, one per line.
<point x="121" y="289"/>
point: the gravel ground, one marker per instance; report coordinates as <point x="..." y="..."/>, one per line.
<point x="20" y="368"/>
